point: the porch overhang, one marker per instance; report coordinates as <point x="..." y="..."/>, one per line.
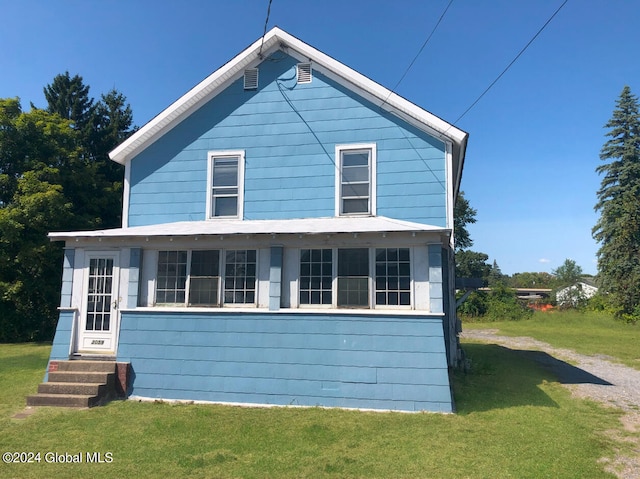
<point x="222" y="227"/>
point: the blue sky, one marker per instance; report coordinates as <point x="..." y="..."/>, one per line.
<point x="534" y="139"/>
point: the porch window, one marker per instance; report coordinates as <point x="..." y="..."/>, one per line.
<point x="171" y="283"/>
<point x="353" y="278"/>
<point x="316" y="274"/>
<point x="393" y="277"/>
<point x="195" y="278"/>
<point x="205" y="278"/>
<point x="240" y="277"/>
<point x="356" y="278"/>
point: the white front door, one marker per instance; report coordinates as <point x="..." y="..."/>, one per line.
<point x="98" y="322"/>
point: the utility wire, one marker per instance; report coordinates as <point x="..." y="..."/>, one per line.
<point x="266" y="22"/>
<point x="418" y="54"/>
<point x="512" y="62"/>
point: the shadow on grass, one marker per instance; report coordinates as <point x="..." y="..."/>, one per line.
<point x="564" y="372"/>
<point x="501" y="378"/>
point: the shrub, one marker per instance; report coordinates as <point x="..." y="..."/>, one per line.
<point x="498" y="304"/>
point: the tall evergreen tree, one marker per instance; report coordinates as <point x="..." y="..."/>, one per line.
<point x="618" y="229"/>
<point x="69" y="98"/>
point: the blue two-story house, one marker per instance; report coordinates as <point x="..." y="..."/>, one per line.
<point x="287" y="239"/>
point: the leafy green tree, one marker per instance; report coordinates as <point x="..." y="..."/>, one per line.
<point x="568" y="274"/>
<point x="498" y="304"/>
<point x="463" y="214"/>
<point x="618" y="228"/>
<point x="472" y="264"/>
<point x="11" y="161"/>
<point x="569" y="293"/>
<point x="469" y="264"/>
<point x="29" y="262"/>
<point x="532" y="280"/>
<point x="55" y="175"/>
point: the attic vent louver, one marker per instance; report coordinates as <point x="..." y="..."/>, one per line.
<point x="251" y="79"/>
<point x="304" y="72"/>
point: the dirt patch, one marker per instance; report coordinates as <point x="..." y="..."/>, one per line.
<point x="25" y="413"/>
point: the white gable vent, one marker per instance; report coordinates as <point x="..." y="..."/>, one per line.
<point x="251" y="79"/>
<point x="304" y="72"/>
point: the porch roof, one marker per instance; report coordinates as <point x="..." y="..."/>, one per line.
<point x="307" y="226"/>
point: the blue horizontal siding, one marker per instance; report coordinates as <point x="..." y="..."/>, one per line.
<point x="62" y="338"/>
<point x="364" y="361"/>
<point x="288" y="133"/>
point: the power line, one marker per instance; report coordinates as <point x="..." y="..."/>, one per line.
<point x="512" y="62"/>
<point x="419" y="52"/>
<point x="266" y="22"/>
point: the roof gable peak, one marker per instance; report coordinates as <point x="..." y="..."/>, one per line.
<point x="277" y="39"/>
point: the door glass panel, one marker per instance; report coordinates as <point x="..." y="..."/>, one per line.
<point x="99" y="294"/>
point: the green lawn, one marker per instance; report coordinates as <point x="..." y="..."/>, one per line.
<point x="584" y="332"/>
<point x="514" y="421"/>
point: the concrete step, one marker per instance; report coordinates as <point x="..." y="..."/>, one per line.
<point x="80" y="383"/>
<point x="81" y="377"/>
<point x="88" y="389"/>
<point x="88" y="366"/>
<point x="63" y="400"/>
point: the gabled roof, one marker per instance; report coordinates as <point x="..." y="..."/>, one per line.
<point x="277" y="39"/>
<point x="308" y="226"/>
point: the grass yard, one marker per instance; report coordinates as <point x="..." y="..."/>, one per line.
<point x="584" y="332"/>
<point x="514" y="421"/>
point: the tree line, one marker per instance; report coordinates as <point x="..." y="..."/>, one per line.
<point x="55" y="175"/>
<point x="617" y="230"/>
<point x="500" y="301"/>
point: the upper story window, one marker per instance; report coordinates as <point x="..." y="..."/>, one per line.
<point x="355" y="179"/>
<point x="225" y="184"/>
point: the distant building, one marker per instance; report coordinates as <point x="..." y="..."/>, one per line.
<point x="571" y="295"/>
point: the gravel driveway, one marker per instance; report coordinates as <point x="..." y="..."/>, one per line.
<point x="591" y="377"/>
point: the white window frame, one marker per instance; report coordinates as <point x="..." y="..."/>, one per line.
<point x="334" y="270"/>
<point x="221" y="280"/>
<point x="371" y="280"/>
<point x="211" y="156"/>
<point x="411" y="304"/>
<point x="372" y="177"/>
